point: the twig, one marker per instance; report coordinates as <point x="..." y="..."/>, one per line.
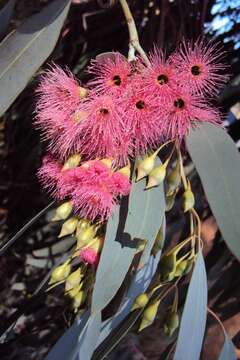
<point x="133" y="34"/>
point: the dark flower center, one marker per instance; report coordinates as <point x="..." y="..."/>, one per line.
<point x="179" y="103"/>
<point x="104" y="111"/>
<point x="162" y="79"/>
<point x="140" y="104"/>
<point x="117" y="80"/>
<point x="195" y="70"/>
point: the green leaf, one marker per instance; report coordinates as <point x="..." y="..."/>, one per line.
<point x="218" y="163"/>
<point x="139" y="217"/>
<point x="194" y="316"/>
<point x="228" y="349"/>
<point x="5" y="15"/>
<point x="24" y="50"/>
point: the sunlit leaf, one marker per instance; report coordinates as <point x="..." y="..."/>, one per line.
<point x="193" y="321"/>
<point x="218" y="164"/>
<point x="24" y="50"/>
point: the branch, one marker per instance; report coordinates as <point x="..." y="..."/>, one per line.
<point x="133" y="34"/>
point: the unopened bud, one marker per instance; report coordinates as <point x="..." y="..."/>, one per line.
<point x="173" y="180"/>
<point x="73" y="279"/>
<point x="188" y="200"/>
<point x="63" y="211"/>
<point x="72" y="162"/>
<point x="107" y="162"/>
<point x="180" y="268"/>
<point x="68" y="227"/>
<point x="60" y="273"/>
<point x="73" y="292"/>
<point x="82" y="92"/>
<point x="125" y="171"/>
<point x="145" y="166"/>
<point x="86" y="234"/>
<point x="158" y="241"/>
<point x="170" y="200"/>
<point x="172" y="323"/>
<point x="149" y="315"/>
<point x="97" y="244"/>
<point x="156" y="176"/>
<point x="140" y="301"/>
<point x="79" y="299"/>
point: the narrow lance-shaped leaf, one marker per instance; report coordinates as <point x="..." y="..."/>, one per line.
<point x="228" y="349"/>
<point x="194" y="316"/>
<point x="218" y="164"/>
<point x="124" y="231"/>
<point x="5" y="15"/>
<point x="24" y="50"/>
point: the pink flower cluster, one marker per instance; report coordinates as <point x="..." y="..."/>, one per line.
<point x="125" y="110"/>
<point x="93" y="187"/>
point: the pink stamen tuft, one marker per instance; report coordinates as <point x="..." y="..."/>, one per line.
<point x="89" y="256"/>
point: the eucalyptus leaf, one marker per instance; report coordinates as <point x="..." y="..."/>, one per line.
<point x="138" y="218"/>
<point x="218" y="164"/>
<point x="24" y="50"/>
<point x="194" y="316"/>
<point x="5" y="15"/>
<point x="228" y="349"/>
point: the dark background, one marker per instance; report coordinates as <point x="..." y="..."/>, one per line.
<point x="31" y="324"/>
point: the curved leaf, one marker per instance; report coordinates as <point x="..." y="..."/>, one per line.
<point x="218" y="163"/>
<point x="5" y="15"/>
<point x="194" y="316"/>
<point x="228" y="349"/>
<point x="24" y="50"/>
<point x="127" y="226"/>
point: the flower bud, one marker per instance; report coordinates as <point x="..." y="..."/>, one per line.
<point x="60" y="273"/>
<point x="173" y="180"/>
<point x="79" y="299"/>
<point x="72" y="162"/>
<point x="172" y="323"/>
<point x="188" y="200"/>
<point x="145" y="166"/>
<point x="149" y="315"/>
<point x="97" y="244"/>
<point x="68" y="227"/>
<point x="157" y="175"/>
<point x="73" y="292"/>
<point x="125" y="171"/>
<point x="158" y="241"/>
<point x="63" y="211"/>
<point x="83" y="93"/>
<point x="73" y="279"/>
<point x="107" y="162"/>
<point x="85" y="235"/>
<point x="140" y="301"/>
<point x="170" y="200"/>
<point x="180" y="268"/>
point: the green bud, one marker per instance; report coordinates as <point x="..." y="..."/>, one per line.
<point x="72" y="162"/>
<point x="73" y="279"/>
<point x="68" y="227"/>
<point x="180" y="268"/>
<point x="60" y="273"/>
<point x="173" y="180"/>
<point x="172" y="323"/>
<point x="140" y="301"/>
<point x="158" y="242"/>
<point x="188" y="199"/>
<point x="79" y="299"/>
<point x="125" y="171"/>
<point x="63" y="211"/>
<point x="146" y="166"/>
<point x="157" y="175"/>
<point x="97" y="244"/>
<point x="86" y="234"/>
<point x="73" y="292"/>
<point x="107" y="162"/>
<point x="149" y="315"/>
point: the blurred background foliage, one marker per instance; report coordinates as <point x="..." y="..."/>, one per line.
<point x="32" y="320"/>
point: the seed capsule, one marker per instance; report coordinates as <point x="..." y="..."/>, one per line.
<point x="72" y="162"/>
<point x="68" y="227"/>
<point x="73" y="279"/>
<point x="140" y="301"/>
<point x="156" y="176"/>
<point x="63" y="211"/>
<point x="146" y="166"/>
<point x="149" y="315"/>
<point x="60" y="273"/>
<point x="172" y="323"/>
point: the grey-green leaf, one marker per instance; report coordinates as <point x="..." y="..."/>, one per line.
<point x="140" y="218"/>
<point x="218" y="163"/>
<point x="194" y="316"/>
<point x="5" y="15"/>
<point x="24" y="50"/>
<point x="228" y="349"/>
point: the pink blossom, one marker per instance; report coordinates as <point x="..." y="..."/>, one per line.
<point x="111" y="75"/>
<point x="199" y="66"/>
<point x="160" y="77"/>
<point x="89" y="256"/>
<point x="184" y="111"/>
<point x="49" y="173"/>
<point x="120" y="184"/>
<point x="101" y="131"/>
